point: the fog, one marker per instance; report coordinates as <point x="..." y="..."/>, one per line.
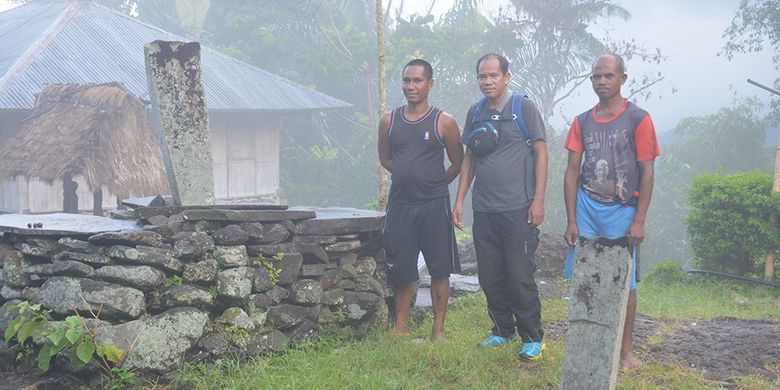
<point x="326" y="155"/>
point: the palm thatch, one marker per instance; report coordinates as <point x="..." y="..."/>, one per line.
<point x="99" y="131"/>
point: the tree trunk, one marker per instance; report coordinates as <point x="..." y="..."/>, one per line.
<point x="380" y="38"/>
<point x="97" y="203"/>
<point x="769" y="265"/>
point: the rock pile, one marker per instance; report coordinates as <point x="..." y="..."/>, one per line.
<point x="204" y="283"/>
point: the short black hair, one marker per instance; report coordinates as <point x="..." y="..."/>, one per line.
<point x="502" y="61"/>
<point x="621" y="65"/>
<point x="427" y="68"/>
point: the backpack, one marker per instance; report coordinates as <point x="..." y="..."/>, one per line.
<point x="483" y="140"/>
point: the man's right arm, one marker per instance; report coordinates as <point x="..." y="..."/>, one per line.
<point x="383" y="142"/>
<point x="570" y="184"/>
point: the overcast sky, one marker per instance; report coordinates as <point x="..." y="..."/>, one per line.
<point x="690" y="34"/>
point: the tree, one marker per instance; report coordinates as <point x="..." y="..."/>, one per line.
<point x="728" y="141"/>
<point x="758" y="22"/>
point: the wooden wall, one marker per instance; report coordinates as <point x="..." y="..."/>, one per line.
<point x="24" y="195"/>
<point x="245" y="150"/>
<point x="246" y="154"/>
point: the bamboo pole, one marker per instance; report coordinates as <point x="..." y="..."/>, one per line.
<point x="380" y="38"/>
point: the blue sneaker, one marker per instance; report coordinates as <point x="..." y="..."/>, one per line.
<point x="493" y="341"/>
<point x="532" y="351"/>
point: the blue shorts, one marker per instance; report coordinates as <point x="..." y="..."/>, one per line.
<point x="595" y="220"/>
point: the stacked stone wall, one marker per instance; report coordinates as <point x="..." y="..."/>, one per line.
<point x="203" y="283"/>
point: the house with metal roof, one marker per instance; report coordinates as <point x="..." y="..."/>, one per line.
<point x="80" y="42"/>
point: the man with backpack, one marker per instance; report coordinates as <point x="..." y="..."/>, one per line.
<point x="506" y="157"/>
<point x="609" y="177"/>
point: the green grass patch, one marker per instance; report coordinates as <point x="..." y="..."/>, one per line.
<point x="381" y="362"/>
<point x="706" y="298"/>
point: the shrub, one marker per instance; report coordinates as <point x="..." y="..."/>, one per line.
<point x="728" y="223"/>
<point x="667" y="272"/>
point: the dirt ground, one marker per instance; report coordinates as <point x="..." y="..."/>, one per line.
<point x="722" y="348"/>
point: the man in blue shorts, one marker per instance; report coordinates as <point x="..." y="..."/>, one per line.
<point x="412" y="141"/>
<point x="609" y="178"/>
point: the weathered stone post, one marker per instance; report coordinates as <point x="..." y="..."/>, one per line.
<point x="173" y="71"/>
<point x="597" y="313"/>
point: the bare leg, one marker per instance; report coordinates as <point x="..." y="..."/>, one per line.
<point x="440" y="294"/>
<point x="402" y="300"/>
<point x="630" y="361"/>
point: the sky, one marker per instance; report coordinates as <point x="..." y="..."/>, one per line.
<point x="690" y="34"/>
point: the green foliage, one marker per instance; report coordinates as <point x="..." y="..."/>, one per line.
<point x="268" y="264"/>
<point x="667" y="272"/>
<point x="755" y="26"/>
<point x="121" y="378"/>
<point x="213" y="292"/>
<point x="703" y="144"/>
<point x="728" y="224"/>
<point x="33" y="330"/>
<point x="235" y="333"/>
<point x="174" y="280"/>
<point x="463" y="236"/>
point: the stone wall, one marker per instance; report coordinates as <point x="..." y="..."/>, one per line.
<point x="202" y="283"/>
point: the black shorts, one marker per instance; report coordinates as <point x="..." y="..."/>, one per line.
<point x="414" y="227"/>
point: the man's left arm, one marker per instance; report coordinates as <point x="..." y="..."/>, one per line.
<point x="636" y="232"/>
<point x="537" y="136"/>
<point x="450" y="134"/>
<point x="536" y="211"/>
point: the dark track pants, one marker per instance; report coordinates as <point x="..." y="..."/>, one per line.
<point x="505" y="244"/>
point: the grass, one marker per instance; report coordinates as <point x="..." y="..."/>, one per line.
<point x="380" y="362"/>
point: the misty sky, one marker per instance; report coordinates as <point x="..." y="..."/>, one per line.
<point x="690" y="34"/>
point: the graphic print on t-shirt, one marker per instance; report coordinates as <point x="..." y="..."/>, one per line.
<point x="608" y="156"/>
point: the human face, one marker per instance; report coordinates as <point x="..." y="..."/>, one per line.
<point x="607" y="78"/>
<point x="492" y="81"/>
<point x="415" y="84"/>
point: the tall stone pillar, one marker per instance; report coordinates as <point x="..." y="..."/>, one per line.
<point x="597" y="313"/>
<point x="173" y="71"/>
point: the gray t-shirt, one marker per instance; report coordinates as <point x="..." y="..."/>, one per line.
<point x="505" y="179"/>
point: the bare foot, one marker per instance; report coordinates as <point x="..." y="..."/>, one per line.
<point x="437" y="335"/>
<point x="400" y="333"/>
<point x="631" y="362"/>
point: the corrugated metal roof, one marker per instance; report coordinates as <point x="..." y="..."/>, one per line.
<point x="81" y="42"/>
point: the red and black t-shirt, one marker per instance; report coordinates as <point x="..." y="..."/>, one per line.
<point x="612" y="148"/>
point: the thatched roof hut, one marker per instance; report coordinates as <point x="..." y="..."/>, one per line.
<point x="99" y="131"/>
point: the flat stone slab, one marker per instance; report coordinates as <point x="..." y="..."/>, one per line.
<point x="61" y="224"/>
<point x="148" y="201"/>
<point x="146" y="212"/>
<point x="246" y="215"/>
<point x="339" y="220"/>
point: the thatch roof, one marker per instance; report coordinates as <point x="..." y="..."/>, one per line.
<point x="99" y="131"/>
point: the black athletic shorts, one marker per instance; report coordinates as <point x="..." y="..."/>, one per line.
<point x="414" y="227"/>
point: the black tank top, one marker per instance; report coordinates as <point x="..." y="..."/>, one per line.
<point x="417" y="153"/>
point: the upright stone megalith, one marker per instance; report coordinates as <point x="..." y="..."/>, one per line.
<point x="173" y="71"/>
<point x="597" y="313"/>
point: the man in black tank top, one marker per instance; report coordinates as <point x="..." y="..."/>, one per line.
<point x="412" y="140"/>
